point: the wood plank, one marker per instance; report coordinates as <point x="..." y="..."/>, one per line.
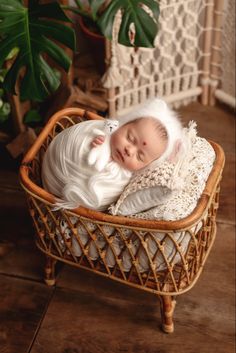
<point x="94" y="315"/>
<point x="22" y="305"/>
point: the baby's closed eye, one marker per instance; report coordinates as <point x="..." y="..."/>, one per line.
<point x="130" y="137"/>
<point x="140" y="156"/>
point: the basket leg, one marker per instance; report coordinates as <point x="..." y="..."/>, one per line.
<point x="167" y="310"/>
<point x="50" y="278"/>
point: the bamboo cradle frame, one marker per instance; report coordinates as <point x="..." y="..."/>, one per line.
<point x="176" y="278"/>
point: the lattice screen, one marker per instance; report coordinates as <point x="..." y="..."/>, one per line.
<point x="177" y="69"/>
<point x="223" y="53"/>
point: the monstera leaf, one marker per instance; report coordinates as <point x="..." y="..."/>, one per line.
<point x="136" y="13"/>
<point x="32" y="30"/>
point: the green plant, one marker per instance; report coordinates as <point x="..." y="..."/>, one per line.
<point x="144" y="19"/>
<point x="5" y="108"/>
<point x="33" y="30"/>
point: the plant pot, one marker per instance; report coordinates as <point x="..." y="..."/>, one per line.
<point x="96" y="43"/>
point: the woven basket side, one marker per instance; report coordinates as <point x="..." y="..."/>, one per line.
<point x="159" y="256"/>
<point x="126" y="254"/>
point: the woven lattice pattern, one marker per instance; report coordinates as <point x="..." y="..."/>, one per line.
<point x="173" y="69"/>
<point x="106" y="246"/>
<point x="227" y="66"/>
<point x="102" y="239"/>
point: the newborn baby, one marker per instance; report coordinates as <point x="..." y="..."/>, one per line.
<point x="90" y="163"/>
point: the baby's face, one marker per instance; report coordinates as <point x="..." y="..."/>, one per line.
<point x="136" y="144"/>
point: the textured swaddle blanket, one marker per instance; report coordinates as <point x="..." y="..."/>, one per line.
<point x="79" y="175"/>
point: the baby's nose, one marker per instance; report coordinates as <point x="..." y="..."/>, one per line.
<point x="129" y="151"/>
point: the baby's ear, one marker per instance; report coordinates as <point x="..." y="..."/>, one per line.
<point x="174" y="154"/>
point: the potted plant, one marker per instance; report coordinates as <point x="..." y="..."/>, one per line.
<point x="36" y="30"/>
<point x="143" y="15"/>
<point x="33" y="28"/>
<point x="137" y="28"/>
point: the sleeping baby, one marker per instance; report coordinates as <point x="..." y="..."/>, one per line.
<point x="90" y="163"/>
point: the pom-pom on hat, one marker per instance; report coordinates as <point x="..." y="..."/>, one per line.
<point x="158" y="109"/>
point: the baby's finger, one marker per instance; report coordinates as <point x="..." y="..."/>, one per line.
<point x="98" y="141"/>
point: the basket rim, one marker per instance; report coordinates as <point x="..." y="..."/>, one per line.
<point x="204" y="201"/>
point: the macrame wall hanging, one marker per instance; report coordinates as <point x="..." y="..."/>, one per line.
<point x="185" y="62"/>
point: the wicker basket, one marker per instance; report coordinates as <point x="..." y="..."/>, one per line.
<point x="175" y="278"/>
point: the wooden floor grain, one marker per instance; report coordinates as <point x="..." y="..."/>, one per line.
<point x="88" y="314"/>
<point x="22" y="305"/>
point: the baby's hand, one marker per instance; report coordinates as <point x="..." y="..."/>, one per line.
<point x="98" y="140"/>
<point x="100" y="152"/>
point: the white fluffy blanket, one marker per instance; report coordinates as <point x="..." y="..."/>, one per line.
<point x="79" y="175"/>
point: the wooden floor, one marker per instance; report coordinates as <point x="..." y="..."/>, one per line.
<point x="84" y="313"/>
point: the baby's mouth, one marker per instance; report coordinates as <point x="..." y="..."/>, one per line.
<point x="120" y="156"/>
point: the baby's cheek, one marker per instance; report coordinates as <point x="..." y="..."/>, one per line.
<point x="112" y="140"/>
<point x="116" y="142"/>
<point x="132" y="165"/>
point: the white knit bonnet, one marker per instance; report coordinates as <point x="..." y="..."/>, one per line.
<point x="158" y="109"/>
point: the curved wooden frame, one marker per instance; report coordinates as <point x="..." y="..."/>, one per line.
<point x="176" y="277"/>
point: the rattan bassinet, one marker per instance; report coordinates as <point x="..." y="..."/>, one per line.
<point x="173" y="279"/>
